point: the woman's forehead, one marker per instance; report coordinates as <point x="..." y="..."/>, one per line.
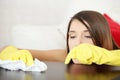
<point x="77" y="25"/>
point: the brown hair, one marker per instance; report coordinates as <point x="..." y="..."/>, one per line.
<point x="99" y="31"/>
<point x="99" y="28"/>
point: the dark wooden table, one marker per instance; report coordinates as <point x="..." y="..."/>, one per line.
<point x="59" y="71"/>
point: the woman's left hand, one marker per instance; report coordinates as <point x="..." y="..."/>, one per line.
<point x="88" y="54"/>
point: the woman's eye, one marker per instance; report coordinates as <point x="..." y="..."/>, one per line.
<point x="88" y="36"/>
<point x="72" y="37"/>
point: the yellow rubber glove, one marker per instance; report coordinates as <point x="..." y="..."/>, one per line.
<point x="88" y="54"/>
<point x="12" y="53"/>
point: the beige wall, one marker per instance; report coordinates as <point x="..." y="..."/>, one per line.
<point x="35" y="12"/>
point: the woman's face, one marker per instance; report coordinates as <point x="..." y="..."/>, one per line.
<point x="78" y="34"/>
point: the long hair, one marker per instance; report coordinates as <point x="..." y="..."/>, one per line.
<point x="98" y="29"/>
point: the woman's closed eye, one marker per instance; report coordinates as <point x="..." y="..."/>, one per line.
<point x="72" y="36"/>
<point x="88" y="36"/>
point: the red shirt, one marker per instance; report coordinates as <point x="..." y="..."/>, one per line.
<point x="115" y="29"/>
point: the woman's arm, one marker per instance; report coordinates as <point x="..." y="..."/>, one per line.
<point x="49" y="55"/>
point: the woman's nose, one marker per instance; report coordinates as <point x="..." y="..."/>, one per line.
<point x="79" y="41"/>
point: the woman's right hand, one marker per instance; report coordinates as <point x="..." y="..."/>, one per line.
<point x="12" y="53"/>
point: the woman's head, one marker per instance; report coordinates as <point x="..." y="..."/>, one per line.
<point x="89" y="27"/>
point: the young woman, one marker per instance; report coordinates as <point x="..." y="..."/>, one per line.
<point x="89" y="27"/>
<point x="84" y="27"/>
